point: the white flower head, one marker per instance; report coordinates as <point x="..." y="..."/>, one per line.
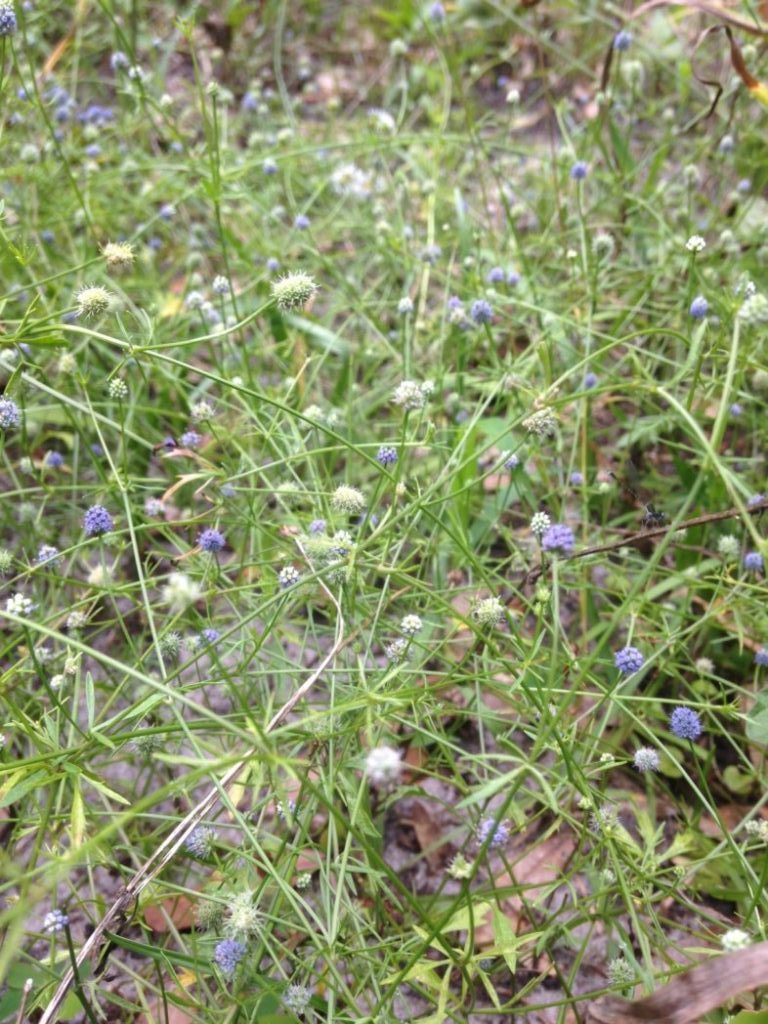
<point x="383" y="765"/>
<point x="180" y="592"/>
<point x="695" y="244"/>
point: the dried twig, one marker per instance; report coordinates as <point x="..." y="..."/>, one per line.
<point x="172" y="842"/>
<point x="689" y="996"/>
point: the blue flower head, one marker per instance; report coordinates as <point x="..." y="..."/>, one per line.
<point x="699" y="307"/>
<point x="622" y="41"/>
<point x="8" y="24"/>
<point x="685" y="724"/>
<point x="495" y="275"/>
<point x="386" y="455"/>
<point x="495" y="833"/>
<point x="481" y="311"/>
<point x="9" y="414"/>
<point x="753" y="561"/>
<point x="211" y="540"/>
<point x="558" y="538"/>
<point x="761" y="657"/>
<point x="628" y="660"/>
<point x="228" y="954"/>
<point x="97" y="521"/>
<point x="579" y="170"/>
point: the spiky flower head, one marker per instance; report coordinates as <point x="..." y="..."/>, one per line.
<point x="347" y="500"/>
<point x="646" y="759"/>
<point x="6" y="561"/>
<point x="541" y="423"/>
<point x="396" y="650"/>
<point x="494" y="833"/>
<point x="228" y="954"/>
<point x="97" y="521"/>
<point x="753" y="561"/>
<point x="118" y="255"/>
<point x="294" y="290"/>
<point x="8" y="23"/>
<point x="488" y="612"/>
<point x="728" y="546"/>
<point x="695" y="244"/>
<point x="411" y="395"/>
<point x="47" y="553"/>
<point x="288" y="576"/>
<point x="10" y="416"/>
<point x="628" y="660"/>
<point x="685" y="724"/>
<point x="296" y="999"/>
<point x="199" y="842"/>
<point x="383" y="765"/>
<point x="93" y="301"/>
<point x="558" y="539"/>
<point x="212" y="541"/>
<point x="243" y="917"/>
<point x="620" y="972"/>
<point x="170" y="644"/>
<point x="411" y="625"/>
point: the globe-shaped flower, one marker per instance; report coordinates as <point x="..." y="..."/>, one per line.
<point x="9" y="414"/>
<point x="699" y="307"/>
<point x="753" y="561"/>
<point x="93" y="301"/>
<point x="628" y="660"/>
<point x="685" y="724"/>
<point x="579" y="170"/>
<point x="228" y="954"/>
<point x="97" y="521"/>
<point x="495" y="833"/>
<point x="646" y="759"/>
<point x="294" y="290"/>
<point x="212" y="541"/>
<point x="558" y="539"/>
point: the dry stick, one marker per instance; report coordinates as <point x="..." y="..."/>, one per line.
<point x="170" y="845"/>
<point x="658" y="531"/>
<point x="690" y="995"/>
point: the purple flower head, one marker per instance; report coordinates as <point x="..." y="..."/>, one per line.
<point x="97" y="450"/>
<point x="386" y="455"/>
<point x="755" y="500"/>
<point x="190" y="439"/>
<point x="558" y="538"/>
<point x="481" y="311"/>
<point x="228" y="954"/>
<point x="166" y="212"/>
<point x="53" y="459"/>
<point x="576" y="478"/>
<point x="761" y="657"/>
<point x="496" y="833"/>
<point x="736" y="409"/>
<point x="495" y="275"/>
<point x="513" y="278"/>
<point x="512" y="462"/>
<point x="47" y="553"/>
<point x="97" y="521"/>
<point x="699" y="307"/>
<point x="590" y="380"/>
<point x="209" y="636"/>
<point x="211" y="540"/>
<point x="685" y="724"/>
<point x="8" y="24"/>
<point x="437" y="11"/>
<point x="269" y="166"/>
<point x="317" y="526"/>
<point x="622" y="41"/>
<point x="579" y="170"/>
<point x="628" y="660"/>
<point x="753" y="561"/>
<point x="9" y="414"/>
<point x="273" y="264"/>
<point x="301" y="223"/>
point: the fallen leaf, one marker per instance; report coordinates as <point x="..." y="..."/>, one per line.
<point x="427" y="822"/>
<point x="157" y="1014"/>
<point x="180" y="909"/>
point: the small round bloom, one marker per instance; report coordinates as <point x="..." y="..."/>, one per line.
<point x="317" y="526"/>
<point x="579" y="170"/>
<point x="199" y="842"/>
<point x="699" y="307"/>
<point x="735" y="939"/>
<point x="19" y="605"/>
<point x="590" y="380"/>
<point x="180" y="592"/>
<point x="620" y="972"/>
<point x="541" y="423"/>
<point x="540" y="523"/>
<point x="411" y="395"/>
<point x="628" y="660"/>
<point x="481" y="311"/>
<point x="436" y="11"/>
<point x="488" y="612"/>
<point x="603" y="245"/>
<point x="47" y="553"/>
<point x="208" y="637"/>
<point x="190" y="439"/>
<point x="288" y="576"/>
<point x="622" y="41"/>
<point x="494" y="833"/>
<point x="646" y="759"/>
<point x="93" y="301"/>
<point x="296" y="999"/>
<point x="8" y="24"/>
<point x="396" y="650"/>
<point x="202" y="410"/>
<point x="410" y="625"/>
<point x="753" y="561"/>
<point x="495" y="275"/>
<point x="97" y="521"/>
<point x="754" y="500"/>
<point x="294" y="290"/>
<point x="117" y="389"/>
<point x="383" y="765"/>
<point x="211" y="540"/>
<point x="728" y="546"/>
<point x="220" y="285"/>
<point x="118" y="255"/>
<point x="53" y="459"/>
<point x="228" y="954"/>
<point x="348" y="500"/>
<point x="576" y="478"/>
<point x="10" y="416"/>
<point x="685" y="724"/>
<point x="512" y="462"/>
<point x="558" y="537"/>
<point x="386" y="455"/>
<point x="153" y="507"/>
<point x="695" y="244"/>
<point x="55" y="921"/>
<point x="301" y="222"/>
<point x="761" y="657"/>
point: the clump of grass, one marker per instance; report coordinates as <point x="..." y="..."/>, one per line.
<point x="382" y="552"/>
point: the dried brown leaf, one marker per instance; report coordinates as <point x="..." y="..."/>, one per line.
<point x="177" y="909"/>
<point x="427" y="823"/>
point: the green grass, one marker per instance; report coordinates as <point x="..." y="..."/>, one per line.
<point x="125" y="728"/>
